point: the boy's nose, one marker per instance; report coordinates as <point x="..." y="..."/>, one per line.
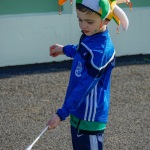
<point x="83" y="25"/>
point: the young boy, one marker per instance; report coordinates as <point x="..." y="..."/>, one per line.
<point x="88" y="95"/>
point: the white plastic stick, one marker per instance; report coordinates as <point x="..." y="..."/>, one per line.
<point x="30" y="146"/>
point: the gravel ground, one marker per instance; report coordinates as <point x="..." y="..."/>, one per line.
<point x="28" y="100"/>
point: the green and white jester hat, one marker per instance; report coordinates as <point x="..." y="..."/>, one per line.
<point x="95" y="5"/>
<point x="98" y="6"/>
<point x="107" y="9"/>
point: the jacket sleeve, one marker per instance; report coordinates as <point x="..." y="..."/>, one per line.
<point x="70" y="50"/>
<point x="83" y="88"/>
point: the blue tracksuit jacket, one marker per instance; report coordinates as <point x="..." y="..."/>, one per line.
<point x="88" y="93"/>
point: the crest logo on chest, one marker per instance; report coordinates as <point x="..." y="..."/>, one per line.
<point x="78" y="69"/>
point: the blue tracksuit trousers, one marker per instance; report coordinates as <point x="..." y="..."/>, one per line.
<point x="86" y="142"/>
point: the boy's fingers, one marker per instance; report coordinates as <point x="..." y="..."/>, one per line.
<point x="53" y="47"/>
<point x="53" y="122"/>
<point x="52" y="52"/>
<point x="49" y="127"/>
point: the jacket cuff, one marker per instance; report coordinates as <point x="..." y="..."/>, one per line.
<point x="64" y="50"/>
<point x="60" y="116"/>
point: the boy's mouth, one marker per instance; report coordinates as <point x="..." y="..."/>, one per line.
<point x="85" y="31"/>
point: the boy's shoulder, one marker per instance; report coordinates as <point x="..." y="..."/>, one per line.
<point x="97" y="41"/>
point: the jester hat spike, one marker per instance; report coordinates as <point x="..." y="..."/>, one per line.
<point x="61" y="3"/>
<point x="118" y="15"/>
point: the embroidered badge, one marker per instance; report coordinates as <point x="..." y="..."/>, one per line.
<point x="78" y="69"/>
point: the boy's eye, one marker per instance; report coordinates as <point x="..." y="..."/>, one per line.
<point x="89" y="22"/>
<point x="80" y="20"/>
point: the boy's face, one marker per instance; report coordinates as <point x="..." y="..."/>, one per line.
<point x="89" y="23"/>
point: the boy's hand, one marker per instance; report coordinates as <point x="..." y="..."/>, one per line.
<point x="56" y="50"/>
<point x="53" y="122"/>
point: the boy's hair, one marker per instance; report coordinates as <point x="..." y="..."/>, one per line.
<point x="84" y="9"/>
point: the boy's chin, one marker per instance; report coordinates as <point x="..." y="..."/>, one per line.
<point x="88" y="33"/>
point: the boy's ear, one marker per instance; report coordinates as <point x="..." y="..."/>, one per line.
<point x="106" y="21"/>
